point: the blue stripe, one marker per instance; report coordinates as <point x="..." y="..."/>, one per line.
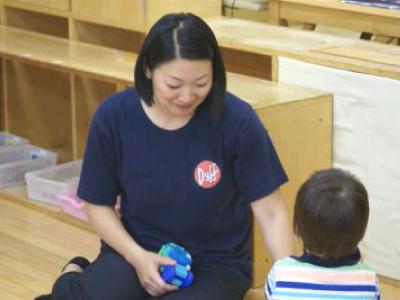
<point x="326" y="287"/>
<point x="269" y="287"/>
<point x="324" y="296"/>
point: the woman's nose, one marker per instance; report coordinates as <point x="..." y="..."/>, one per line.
<point x="186" y="95"/>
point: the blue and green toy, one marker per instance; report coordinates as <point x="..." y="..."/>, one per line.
<point x="178" y="274"/>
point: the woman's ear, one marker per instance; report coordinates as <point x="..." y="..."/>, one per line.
<point x="147" y="72"/>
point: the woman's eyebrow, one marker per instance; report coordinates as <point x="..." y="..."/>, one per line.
<point x="198" y="78"/>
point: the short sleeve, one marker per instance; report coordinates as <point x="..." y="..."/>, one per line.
<point x="270" y="284"/>
<point x="257" y="168"/>
<point x="378" y="290"/>
<point x="99" y="182"/>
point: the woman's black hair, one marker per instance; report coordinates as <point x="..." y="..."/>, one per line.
<point x="331" y="213"/>
<point x="181" y="35"/>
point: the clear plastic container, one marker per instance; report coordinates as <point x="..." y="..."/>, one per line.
<point x="18" y="160"/>
<point x="46" y="185"/>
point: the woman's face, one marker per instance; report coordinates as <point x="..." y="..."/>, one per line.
<point x="180" y="85"/>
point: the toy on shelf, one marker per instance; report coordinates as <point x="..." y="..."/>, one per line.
<point x="178" y="274"/>
<point x="8" y="139"/>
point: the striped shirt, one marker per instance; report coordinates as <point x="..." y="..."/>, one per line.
<point x="309" y="277"/>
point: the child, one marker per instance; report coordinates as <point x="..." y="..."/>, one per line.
<point x="330" y="217"/>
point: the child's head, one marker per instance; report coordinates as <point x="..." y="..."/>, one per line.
<point x="331" y="213"/>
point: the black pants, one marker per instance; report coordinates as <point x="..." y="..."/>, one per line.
<point x="111" y="277"/>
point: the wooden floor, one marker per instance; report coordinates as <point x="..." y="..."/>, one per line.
<point x="36" y="242"/>
<point x="33" y="249"/>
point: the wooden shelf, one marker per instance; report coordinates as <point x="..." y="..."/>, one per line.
<point x="343" y="15"/>
<point x="2" y="94"/>
<point x="242" y="37"/>
<point x="102" y="35"/>
<point x="57" y="115"/>
<point x="248" y="63"/>
<point x="88" y="95"/>
<point x="40" y="109"/>
<point x="59" y="8"/>
<point x="120" y="25"/>
<point x="126" y="14"/>
<point x="36" y="21"/>
<point x="66" y="55"/>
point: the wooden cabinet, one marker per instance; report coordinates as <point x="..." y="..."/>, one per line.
<point x="299" y="121"/>
<point x="119" y="24"/>
<point x="51" y="87"/>
<point x="127" y="14"/>
<point x="40" y="108"/>
<point x="157" y="8"/>
<point x="88" y="93"/>
<point x="34" y="20"/>
<point x="53" y="4"/>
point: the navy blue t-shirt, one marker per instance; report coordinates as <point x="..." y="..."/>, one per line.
<point x="191" y="186"/>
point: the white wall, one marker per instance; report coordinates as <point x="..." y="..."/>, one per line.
<point x="367" y="143"/>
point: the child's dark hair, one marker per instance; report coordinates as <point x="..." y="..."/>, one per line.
<point x="186" y="36"/>
<point x="331" y="213"/>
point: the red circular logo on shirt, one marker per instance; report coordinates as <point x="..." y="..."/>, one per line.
<point x="207" y="174"/>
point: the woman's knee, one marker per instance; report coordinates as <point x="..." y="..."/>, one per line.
<point x="110" y="276"/>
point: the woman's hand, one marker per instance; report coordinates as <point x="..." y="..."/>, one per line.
<point x="147" y="265"/>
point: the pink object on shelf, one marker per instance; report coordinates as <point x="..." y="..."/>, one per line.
<point x="73" y="205"/>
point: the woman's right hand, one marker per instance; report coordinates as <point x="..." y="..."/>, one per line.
<point x="147" y="265"/>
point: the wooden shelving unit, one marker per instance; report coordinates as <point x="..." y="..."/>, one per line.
<point x="51" y="105"/>
<point x="247" y="41"/>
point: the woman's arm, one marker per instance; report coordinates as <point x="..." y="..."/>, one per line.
<point x="272" y="215"/>
<point x="109" y="227"/>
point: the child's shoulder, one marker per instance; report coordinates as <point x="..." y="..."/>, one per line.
<point x="293" y="262"/>
<point x="289" y="261"/>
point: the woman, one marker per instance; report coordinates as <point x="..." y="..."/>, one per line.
<point x="188" y="160"/>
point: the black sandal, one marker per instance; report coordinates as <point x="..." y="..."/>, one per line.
<point x="80" y="261"/>
<point x="43" y="297"/>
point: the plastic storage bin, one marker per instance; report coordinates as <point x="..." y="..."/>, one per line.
<point x="71" y="204"/>
<point x="17" y="160"/>
<point x="46" y="185"/>
<point x="8" y="139"/>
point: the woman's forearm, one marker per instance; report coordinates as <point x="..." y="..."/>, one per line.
<point x="109" y="227"/>
<point x="272" y="215"/>
<point x="278" y="236"/>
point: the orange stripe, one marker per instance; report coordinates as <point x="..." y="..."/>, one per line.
<point x="324" y="276"/>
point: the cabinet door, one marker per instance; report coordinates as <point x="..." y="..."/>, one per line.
<point x="129" y="14"/>
<point x="204" y="9"/>
<point x="55" y="4"/>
